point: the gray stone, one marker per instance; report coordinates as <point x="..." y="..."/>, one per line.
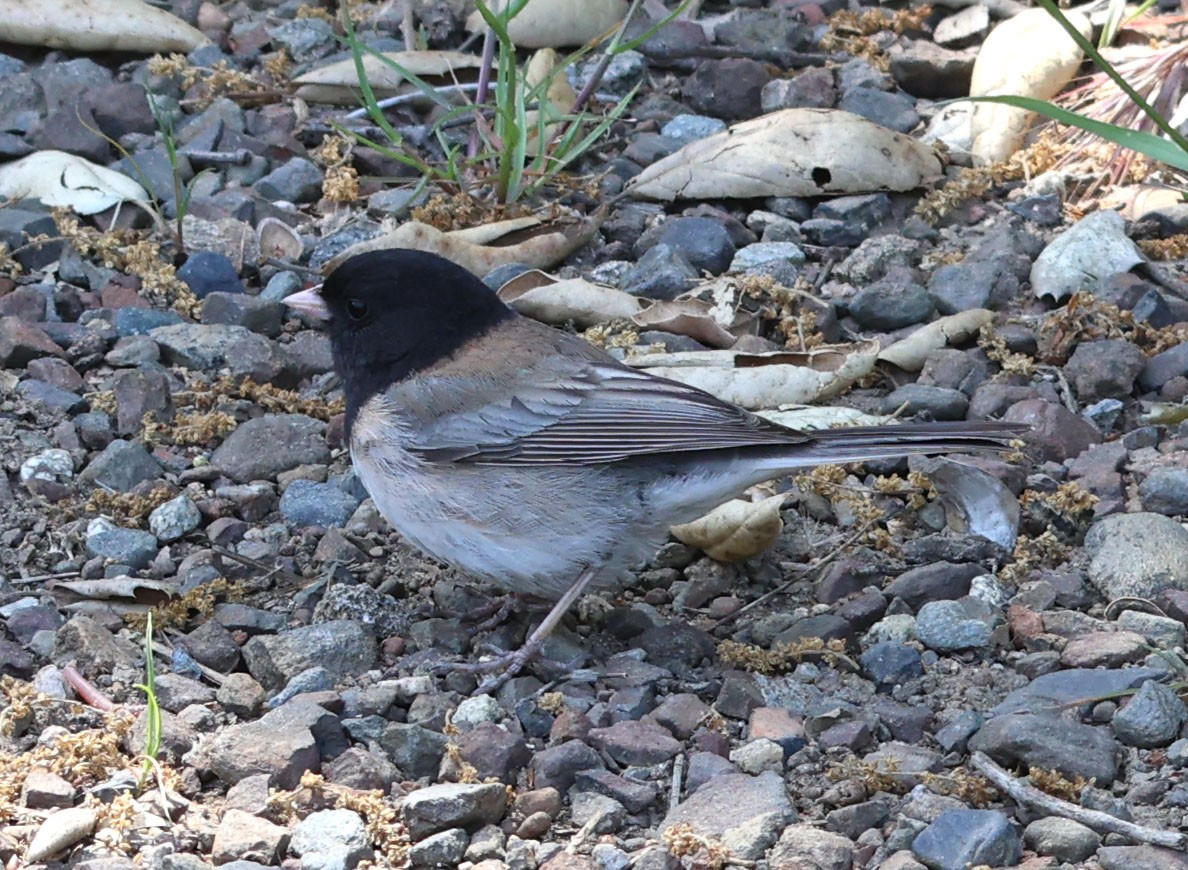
<point x="121" y="466"/>
<point x="746" y="812"/>
<point x="939" y="403"/>
<point x="967" y="838"/>
<point x="809" y="846"/>
<point x="945" y="626"/>
<point x="415" y="750"/>
<point x="690" y="128"/>
<point x="1050" y="742"/>
<point x="444" y="849"/>
<point x="1152" y="717"/>
<point x="207" y="347"/>
<point x="662" y="273"/>
<point x="343" y="647"/>
<point x="261" y="448"/>
<point x="298" y="180"/>
<point x="175" y="519"/>
<point x="130" y="547"/>
<point x="1062" y="839"/>
<point x="453" y="805"/>
<point x="331" y="840"/>
<point x="1165" y="491"/>
<point x="306" y="503"/>
<point x="207" y="272"/>
<point x="1137" y="555"/>
<point x="889" y="304"/>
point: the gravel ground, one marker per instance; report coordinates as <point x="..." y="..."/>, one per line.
<point x="172" y="441"/>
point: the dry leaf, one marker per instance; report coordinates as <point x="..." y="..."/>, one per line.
<point x="766" y="380"/>
<point x="1028" y="55"/>
<point x="60" y="831"/>
<point x="538" y="246"/>
<point x="976" y="502"/>
<point x="559" y="95"/>
<point x="556" y="23"/>
<point x="1092" y="249"/>
<point x="695" y="318"/>
<point x="121" y="588"/>
<point x="542" y="297"/>
<point x="96" y="25"/>
<point x="62" y="180"/>
<point x="735" y="531"/>
<point x="911" y="352"/>
<point x="792" y="152"/>
<point x="339" y="83"/>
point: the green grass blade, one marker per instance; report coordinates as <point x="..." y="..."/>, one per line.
<point x="1155" y="147"/>
<point x="1086" y="46"/>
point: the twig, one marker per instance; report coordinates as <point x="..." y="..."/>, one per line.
<point x="238" y="157"/>
<point x="595" y="78"/>
<point x="87" y="690"/>
<point x="41" y="578"/>
<point x="484" y="85"/>
<point x="678" y="774"/>
<point x="1028" y="795"/>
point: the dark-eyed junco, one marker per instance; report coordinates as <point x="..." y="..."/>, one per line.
<point x="524" y="455"/>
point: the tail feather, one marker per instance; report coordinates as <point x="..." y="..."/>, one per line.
<point x="858" y="443"/>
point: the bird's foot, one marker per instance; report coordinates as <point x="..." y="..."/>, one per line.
<point x="492" y="614"/>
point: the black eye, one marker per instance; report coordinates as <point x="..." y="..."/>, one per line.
<point x="356" y="309"/>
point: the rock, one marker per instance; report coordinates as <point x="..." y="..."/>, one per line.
<point x="242" y="836"/>
<point x="241" y="695"/>
<point x="138" y="393"/>
<point x="746" y="813"/>
<point x="689" y="128"/>
<point x="445" y="849"/>
<point x="298" y="180"/>
<point x="176" y="692"/>
<point x="1072" y="687"/>
<point x="890" y="664"/>
<point x="494" y="751"/>
<point x="891" y="303"/>
<point x="703" y="241"/>
<point x="130" y="547"/>
<point x="975" y="283"/>
<point x="1160" y="631"/>
<point x="1056" y="432"/>
<point x="1137" y="555"/>
<point x="331" y="839"/>
<point x="968" y="838"/>
<point x="415" y="750"/>
<point x="1104" y="369"/>
<point x="757" y="756"/>
<point x="95" y="650"/>
<point x="1158" y="370"/>
<point x="1140" y="858"/>
<point x="1108" y="649"/>
<point x="945" y="626"/>
<point x="662" y="273"/>
<point x="640" y="743"/>
<point x="1165" y="491"/>
<point x="43" y="790"/>
<point x="452" y="805"/>
<point x="730" y="89"/>
<point x="343" y="647"/>
<point x="206" y="272"/>
<point x="932" y="582"/>
<point x="259" y="748"/>
<point x="207" y="347"/>
<point x="1152" y="717"/>
<point x="809" y="846"/>
<point x="306" y="503"/>
<point x="174" y="519"/>
<point x="1062" y="839"/>
<point x="1049" y="742"/>
<point x="262" y="448"/>
<point x="892" y="109"/>
<point x="236" y="308"/>
<point x="120" y="467"/>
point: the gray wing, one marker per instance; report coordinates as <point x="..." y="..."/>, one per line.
<point x="577" y="412"/>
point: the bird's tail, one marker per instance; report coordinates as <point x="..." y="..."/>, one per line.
<point x="860" y="443"/>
